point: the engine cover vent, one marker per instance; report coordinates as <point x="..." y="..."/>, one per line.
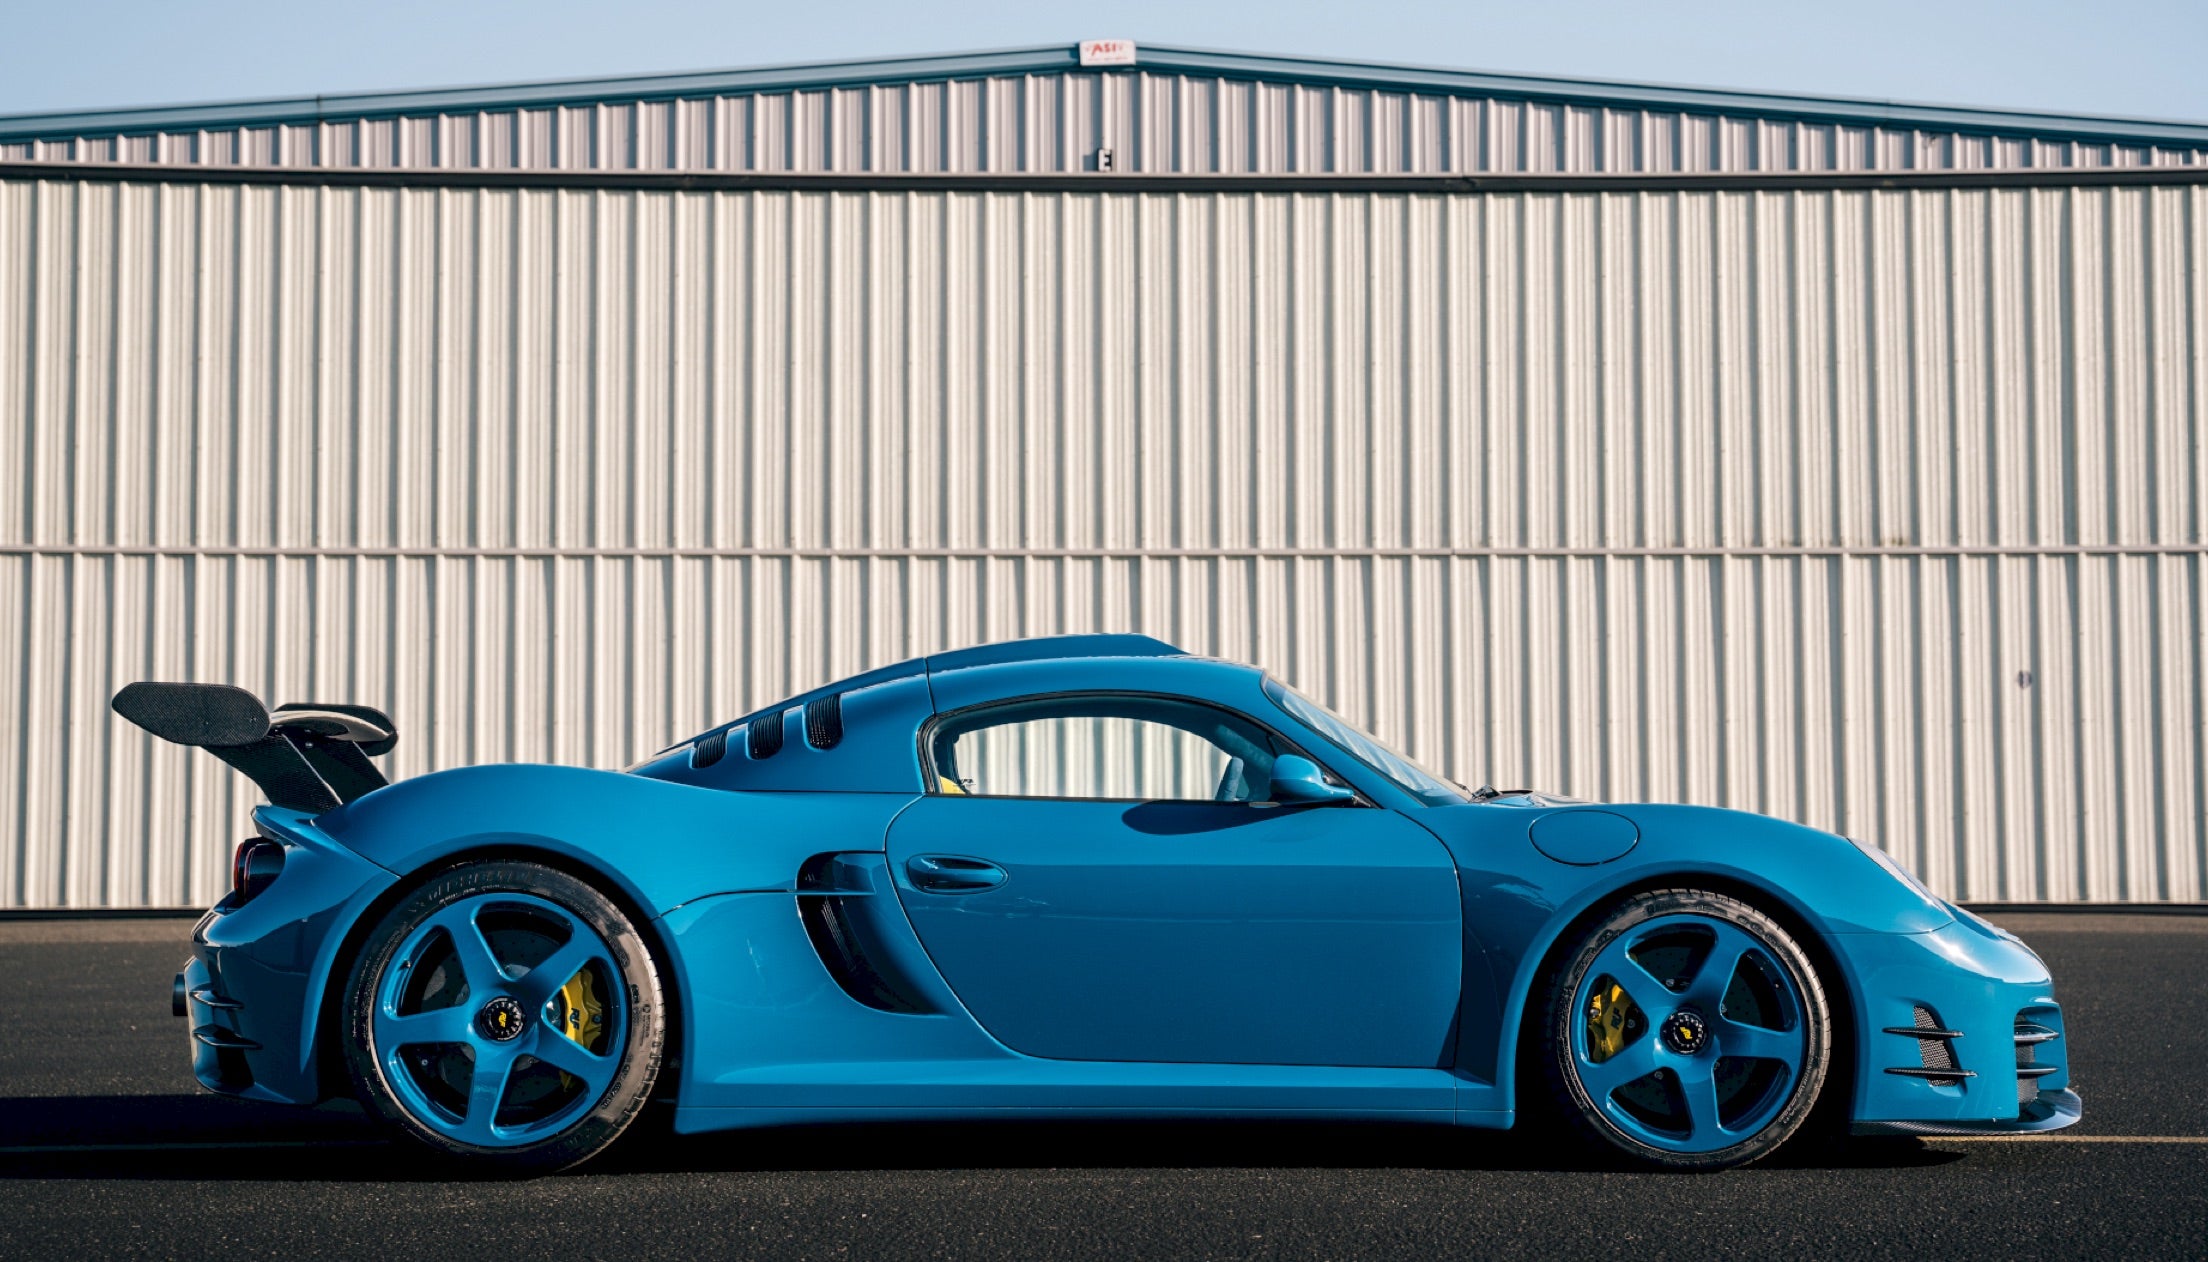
<point x="710" y="750"/>
<point x="824" y="721"/>
<point x="763" y="738"/>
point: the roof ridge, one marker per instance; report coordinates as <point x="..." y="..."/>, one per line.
<point x="1058" y="58"/>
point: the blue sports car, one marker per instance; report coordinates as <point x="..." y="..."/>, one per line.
<point x="1090" y="876"/>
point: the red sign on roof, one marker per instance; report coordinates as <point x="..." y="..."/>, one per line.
<point x="1107" y="52"/>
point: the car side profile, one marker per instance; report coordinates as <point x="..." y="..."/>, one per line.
<point x="1089" y="876"/>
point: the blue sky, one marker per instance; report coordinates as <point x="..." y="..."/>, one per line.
<point x="2129" y="57"/>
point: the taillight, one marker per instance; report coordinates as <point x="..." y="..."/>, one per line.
<point x="255" y="867"/>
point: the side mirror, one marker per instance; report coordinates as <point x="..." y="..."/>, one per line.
<point x="1299" y="782"/>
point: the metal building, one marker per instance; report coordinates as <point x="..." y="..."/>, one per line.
<point x="1831" y="458"/>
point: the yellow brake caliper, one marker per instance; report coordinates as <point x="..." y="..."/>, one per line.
<point x="581" y="1015"/>
<point x="1610" y="1022"/>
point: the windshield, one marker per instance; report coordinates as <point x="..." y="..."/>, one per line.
<point x="1408" y="776"/>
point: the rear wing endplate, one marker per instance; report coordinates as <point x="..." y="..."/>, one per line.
<point x="305" y="757"/>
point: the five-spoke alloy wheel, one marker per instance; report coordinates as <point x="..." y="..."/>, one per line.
<point x="1687" y="1030"/>
<point x="505" y="1012"/>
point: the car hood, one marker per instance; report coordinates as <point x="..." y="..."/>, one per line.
<point x="1573" y="853"/>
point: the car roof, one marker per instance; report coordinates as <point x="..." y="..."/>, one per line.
<point x="1051" y="647"/>
<point x="1034" y="649"/>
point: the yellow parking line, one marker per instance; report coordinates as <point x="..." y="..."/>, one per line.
<point x="2067" y="1139"/>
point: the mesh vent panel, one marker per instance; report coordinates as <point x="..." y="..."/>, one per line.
<point x="1933" y="1053"/>
<point x="764" y="736"/>
<point x="710" y="750"/>
<point x="824" y="722"/>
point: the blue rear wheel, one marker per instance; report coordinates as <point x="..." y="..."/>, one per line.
<point x="1687" y="1030"/>
<point x="507" y="1013"/>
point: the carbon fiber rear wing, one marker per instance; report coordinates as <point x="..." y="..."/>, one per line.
<point x="305" y="757"/>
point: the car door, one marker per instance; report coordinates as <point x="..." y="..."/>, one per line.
<point x="1101" y="877"/>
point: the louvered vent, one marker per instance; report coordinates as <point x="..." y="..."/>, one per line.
<point x="824" y="721"/>
<point x="710" y="750"/>
<point x="2029" y="1035"/>
<point x="1935" y="1053"/>
<point x="764" y="737"/>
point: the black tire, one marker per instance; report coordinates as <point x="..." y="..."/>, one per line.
<point x="595" y="1127"/>
<point x="1589" y="1123"/>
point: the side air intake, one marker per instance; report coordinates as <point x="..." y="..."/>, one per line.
<point x="839" y="920"/>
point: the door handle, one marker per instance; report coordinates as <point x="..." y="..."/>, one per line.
<point x="950" y="874"/>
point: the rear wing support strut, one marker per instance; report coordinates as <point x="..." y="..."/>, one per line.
<point x="304" y="757"/>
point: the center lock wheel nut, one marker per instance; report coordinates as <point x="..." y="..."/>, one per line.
<point x="501" y="1020"/>
<point x="1686" y="1033"/>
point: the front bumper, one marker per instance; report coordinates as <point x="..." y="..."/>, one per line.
<point x="1958" y="1033"/>
<point x="252" y="990"/>
<point x="2053" y="1110"/>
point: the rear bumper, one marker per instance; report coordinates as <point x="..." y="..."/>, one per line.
<point x="251" y="993"/>
<point x="1958" y="1032"/>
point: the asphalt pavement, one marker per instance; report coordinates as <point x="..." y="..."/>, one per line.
<point x="107" y="1149"/>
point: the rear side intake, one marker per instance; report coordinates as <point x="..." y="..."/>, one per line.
<point x="305" y="757"/>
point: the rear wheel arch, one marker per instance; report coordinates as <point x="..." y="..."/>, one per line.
<point x="1521" y="1043"/>
<point x="329" y="1010"/>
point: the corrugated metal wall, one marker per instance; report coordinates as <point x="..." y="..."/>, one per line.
<point x="1881" y="510"/>
<point x="1055" y="122"/>
<point x="1100" y="756"/>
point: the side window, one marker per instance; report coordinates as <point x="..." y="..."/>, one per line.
<point x="1104" y="748"/>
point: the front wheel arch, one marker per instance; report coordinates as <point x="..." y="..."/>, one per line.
<point x="1521" y="1041"/>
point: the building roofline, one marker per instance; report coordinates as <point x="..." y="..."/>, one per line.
<point x="630" y="179"/>
<point x="1052" y="58"/>
<point x="1684" y="97"/>
<point x="539" y="93"/>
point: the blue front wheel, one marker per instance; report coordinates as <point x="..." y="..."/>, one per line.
<point x="506" y="1013"/>
<point x="1687" y="1030"/>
